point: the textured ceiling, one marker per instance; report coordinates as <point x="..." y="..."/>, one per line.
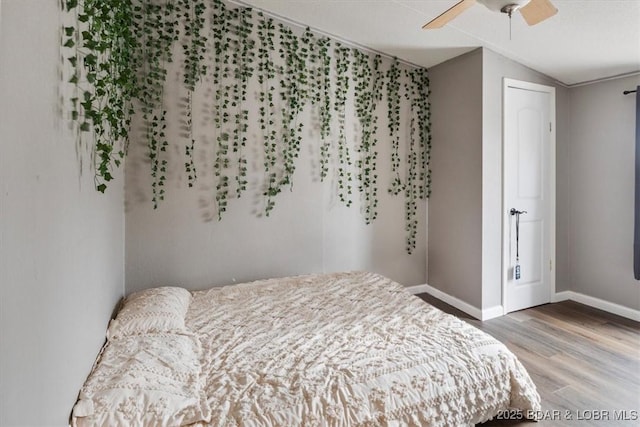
<point x="587" y="40"/>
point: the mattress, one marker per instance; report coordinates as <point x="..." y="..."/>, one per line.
<point x="348" y="349"/>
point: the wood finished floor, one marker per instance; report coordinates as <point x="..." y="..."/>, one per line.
<point x="585" y="362"/>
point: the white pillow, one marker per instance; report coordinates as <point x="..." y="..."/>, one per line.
<point x="154" y="310"/>
<point x="145" y="380"/>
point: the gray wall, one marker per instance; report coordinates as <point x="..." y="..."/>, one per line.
<point x="601" y="191"/>
<point x="465" y="209"/>
<point x="182" y="242"/>
<point x="61" y="243"/>
<point x="455" y="205"/>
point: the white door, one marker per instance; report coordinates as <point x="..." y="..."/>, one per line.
<point x="529" y="186"/>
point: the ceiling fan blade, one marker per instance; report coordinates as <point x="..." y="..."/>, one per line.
<point x="447" y="16"/>
<point x="537" y="11"/>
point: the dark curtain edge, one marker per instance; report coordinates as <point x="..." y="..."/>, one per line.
<point x="636" y="237"/>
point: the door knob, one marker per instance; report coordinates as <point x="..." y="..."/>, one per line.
<point x="516" y="212"/>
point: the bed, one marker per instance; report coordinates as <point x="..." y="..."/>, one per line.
<point x="348" y="349"/>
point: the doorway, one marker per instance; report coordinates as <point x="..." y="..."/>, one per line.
<point x="529" y="182"/>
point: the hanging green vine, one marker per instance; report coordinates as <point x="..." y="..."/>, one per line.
<point x="343" y="55"/>
<point x="243" y="73"/>
<point x="423" y="107"/>
<point x="266" y="74"/>
<point x="368" y="91"/>
<point x="315" y="78"/>
<point x="221" y="71"/>
<point x="319" y="73"/>
<point x="323" y="83"/>
<point x="293" y="94"/>
<point x="235" y="104"/>
<point x="118" y="52"/>
<point x="417" y="176"/>
<point x="194" y="42"/>
<point x="191" y="14"/>
<point x="221" y="29"/>
<point x="310" y="45"/>
<point x="155" y="28"/>
<point x="100" y="47"/>
<point x="393" y="123"/>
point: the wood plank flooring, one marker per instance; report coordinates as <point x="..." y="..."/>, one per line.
<point x="585" y="362"/>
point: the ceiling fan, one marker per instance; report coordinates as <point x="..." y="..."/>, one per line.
<point x="533" y="11"/>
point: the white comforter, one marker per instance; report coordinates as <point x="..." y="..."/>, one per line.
<point x="347" y="350"/>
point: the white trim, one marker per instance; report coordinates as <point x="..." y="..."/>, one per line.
<point x="472" y="311"/>
<point x="418" y="289"/>
<point x="604" y="79"/>
<point x="520" y="84"/>
<point x="507" y="83"/>
<point x="295" y="23"/>
<point x="598" y="303"/>
<point x="561" y="296"/>
<point x="453" y="301"/>
<point x="492" y="312"/>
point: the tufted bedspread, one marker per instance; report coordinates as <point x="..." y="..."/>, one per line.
<point x="346" y="350"/>
<point x="349" y="349"/>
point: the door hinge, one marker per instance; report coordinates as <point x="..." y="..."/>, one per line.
<point x="549" y="126"/>
<point x="550" y="265"/>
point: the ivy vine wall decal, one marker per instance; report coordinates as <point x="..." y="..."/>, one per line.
<point x="259" y="72"/>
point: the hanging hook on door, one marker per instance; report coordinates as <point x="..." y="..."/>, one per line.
<point x="516" y="269"/>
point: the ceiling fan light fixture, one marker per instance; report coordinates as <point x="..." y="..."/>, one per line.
<point x="533" y="11"/>
<point x="510" y="8"/>
<point x="504" y="5"/>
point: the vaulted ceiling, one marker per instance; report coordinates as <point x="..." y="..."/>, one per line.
<point x="586" y="40"/>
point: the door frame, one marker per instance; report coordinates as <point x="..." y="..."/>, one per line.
<point x="519" y="84"/>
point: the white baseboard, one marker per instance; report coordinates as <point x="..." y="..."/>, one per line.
<point x="492" y="312"/>
<point x="497" y="311"/>
<point x="561" y="296"/>
<point x="418" y="289"/>
<point x="472" y="311"/>
<point x="598" y="303"/>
